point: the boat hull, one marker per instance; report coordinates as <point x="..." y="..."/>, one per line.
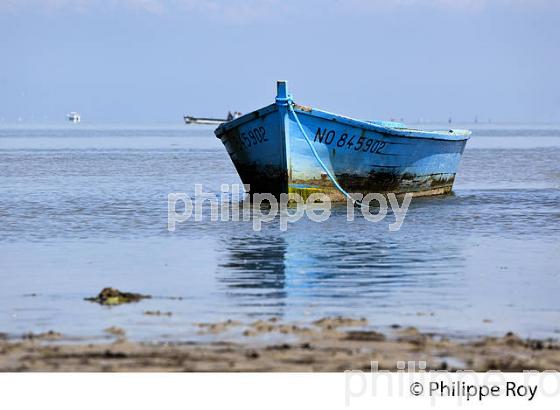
<point x="365" y="160"/>
<point x="272" y="155"/>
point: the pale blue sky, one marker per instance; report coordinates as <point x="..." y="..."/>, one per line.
<point x="151" y="61"/>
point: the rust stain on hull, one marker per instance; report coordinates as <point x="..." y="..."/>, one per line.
<point x="376" y="182"/>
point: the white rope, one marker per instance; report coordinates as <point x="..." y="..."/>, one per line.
<point x="329" y="174"/>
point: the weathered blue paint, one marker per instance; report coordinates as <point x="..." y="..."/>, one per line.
<point x="271" y="154"/>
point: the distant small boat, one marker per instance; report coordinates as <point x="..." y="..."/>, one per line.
<point x="212" y="121"/>
<point x="198" y="120"/>
<point x="74" y="117"/>
<point x="286" y="147"/>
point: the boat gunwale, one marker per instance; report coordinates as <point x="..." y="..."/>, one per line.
<point x="193" y="118"/>
<point x="227" y="126"/>
<point x="450" y="135"/>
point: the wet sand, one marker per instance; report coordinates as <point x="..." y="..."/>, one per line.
<point x="327" y="345"/>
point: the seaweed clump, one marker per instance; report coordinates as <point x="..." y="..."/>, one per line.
<point x="113" y="297"/>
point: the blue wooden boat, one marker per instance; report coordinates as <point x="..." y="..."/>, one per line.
<point x="287" y="147"/>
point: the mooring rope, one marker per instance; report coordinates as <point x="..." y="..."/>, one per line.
<point x="314" y="151"/>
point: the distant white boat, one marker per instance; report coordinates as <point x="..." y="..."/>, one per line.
<point x="198" y="120"/>
<point x="211" y="121"/>
<point x="74" y="117"/>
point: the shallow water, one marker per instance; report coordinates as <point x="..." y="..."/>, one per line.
<point x="84" y="207"/>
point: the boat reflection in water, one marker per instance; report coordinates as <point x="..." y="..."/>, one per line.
<point x="335" y="275"/>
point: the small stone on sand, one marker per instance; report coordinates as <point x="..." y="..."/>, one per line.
<point x="116" y="331"/>
<point x="50" y="335"/>
<point x="157" y="313"/>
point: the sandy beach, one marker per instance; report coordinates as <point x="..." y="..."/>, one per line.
<point x="327" y="345"/>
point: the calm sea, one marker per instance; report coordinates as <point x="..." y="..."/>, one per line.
<point x="84" y="207"/>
